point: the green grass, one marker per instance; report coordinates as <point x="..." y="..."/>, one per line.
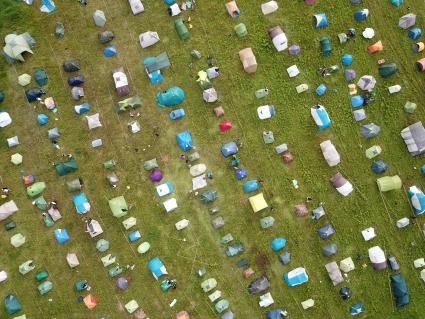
<point x="212" y="34"/>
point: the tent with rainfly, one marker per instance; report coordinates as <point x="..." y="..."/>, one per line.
<point x="159" y="62"/>
<point x="407" y="21"/>
<point x="417" y="199"/>
<point x="12" y="304"/>
<point x="172" y="96"/>
<point x="361" y="15"/>
<point x="81" y="203"/>
<point x="370" y="130"/>
<point x="388" y="183"/>
<point x="320" y="116"/>
<point x="40" y="76"/>
<point x="16" y="45"/>
<point x="320" y="20"/>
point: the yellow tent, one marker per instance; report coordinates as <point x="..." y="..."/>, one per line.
<point x="258" y="202"/>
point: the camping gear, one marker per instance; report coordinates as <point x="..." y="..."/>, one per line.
<point x="45" y="287"/>
<point x="12" y="304"/>
<point x="399" y="290"/>
<point x="61" y="236"/>
<point x="240" y="30"/>
<point x="59" y="30"/>
<point x="278" y="38"/>
<point x="99" y="18"/>
<point x="330" y="153"/>
<point x="377" y="258"/>
<point x="379" y="167"/>
<point x="26" y="267"/>
<point x="370" y="130"/>
<point x="320" y="20"/>
<point x="181" y="29"/>
<point x="121" y="81"/>
<point x="325" y="45"/>
<point x="16" y="45"/>
<point x="248" y="60"/>
<point x="269" y="7"/>
<point x="320" y="116"/>
<point x="184" y="140"/>
<point x="295" y="277"/>
<point x="17" y="240"/>
<point x="172" y="96"/>
<point x="106" y="36"/>
<point x="334" y="273"/>
<point x="414" y="137"/>
<point x="407" y="21"/>
<point x="385" y="70"/>
<point x="388" y="183"/>
<point x="7" y="209"/>
<point x="342" y="185"/>
<point x="136" y="6"/>
<point x="232" y="9"/>
<point x="417" y="199"/>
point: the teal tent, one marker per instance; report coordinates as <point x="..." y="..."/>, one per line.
<point x="400" y="292"/>
<point x="45" y="287"/>
<point x="40" y="76"/>
<point x="325" y="46"/>
<point x="158" y="63"/>
<point x="66" y="167"/>
<point x="181" y="29"/>
<point x="208" y="196"/>
<point x="386" y="70"/>
<point x="12" y="304"/>
<point x="173" y="96"/>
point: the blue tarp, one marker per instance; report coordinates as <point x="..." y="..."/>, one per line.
<point x="417" y="199"/>
<point x="80" y="202"/>
<point x="184" y="140"/>
<point x="326" y="231"/>
<point x="42" y="119"/>
<point x="361" y="15"/>
<point x="170" y="97"/>
<point x="156" y="267"/>
<point x="357" y="101"/>
<point x="251" y="186"/>
<point x="278" y="243"/>
<point x="110" y="51"/>
<point x="241" y="173"/>
<point x="295" y="277"/>
<point x="156" y="76"/>
<point x="61" y="236"/>
<point x="379" y="167"/>
<point x="229" y="149"/>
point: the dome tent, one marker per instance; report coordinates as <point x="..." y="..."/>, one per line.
<point x="148" y="38"/>
<point x="347" y="59"/>
<point x="295" y="277"/>
<point x="278" y="243"/>
<point x="388" y="183"/>
<point x="172" y="96"/>
<point x="414" y="33"/>
<point x="366" y="82"/>
<point x="329" y="250"/>
<point x="12" y="304"/>
<point x="417" y="199"/>
<point x="345" y="293"/>
<point x="24" y="79"/>
<point x="420" y="65"/>
<point x="385" y="70"/>
<point x="294" y="50"/>
<point x="379" y="167"/>
<point x="320" y="116"/>
<point x="356" y="309"/>
<point x="349" y="75"/>
<point x="71" y="66"/>
<point x="377" y="258"/>
<point x="407" y="21"/>
<point x="42" y="119"/>
<point x="99" y="18"/>
<point x="370" y="130"/>
<point x="251" y="186"/>
<point x="326" y="231"/>
<point x="229" y="149"/>
<point x="240" y="30"/>
<point x="396" y="3"/>
<point x="376" y="47"/>
<point x="418" y="47"/>
<point x="40" y="76"/>
<point x="361" y="15"/>
<point x="184" y="139"/>
<point x="248" y="60"/>
<point x="320" y="20"/>
<point x="110" y="51"/>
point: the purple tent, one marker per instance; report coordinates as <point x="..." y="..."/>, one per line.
<point x="122" y="283"/>
<point x="349" y="75"/>
<point x="294" y="49"/>
<point x="156" y="175"/>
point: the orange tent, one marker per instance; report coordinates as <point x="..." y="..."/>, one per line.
<point x="182" y="315"/>
<point x="90" y="301"/>
<point x="375" y="47"/>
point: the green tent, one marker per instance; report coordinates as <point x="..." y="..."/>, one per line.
<point x="12" y="304"/>
<point x="151" y="164"/>
<point x="132" y="102"/>
<point x="45" y="287"/>
<point x="325" y="45"/>
<point x="267" y="222"/>
<point x="386" y="70"/>
<point x="36" y="189"/>
<point x="181" y="29"/>
<point x="118" y="206"/>
<point x="66" y="167"/>
<point x="410" y="107"/>
<point x="388" y="183"/>
<point x="41" y="203"/>
<point x="41" y="275"/>
<point x="102" y="245"/>
<point x="158" y="63"/>
<point x="74" y="185"/>
<point x="241" y="30"/>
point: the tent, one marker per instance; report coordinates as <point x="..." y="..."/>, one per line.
<point x="131" y="102"/>
<point x="320" y="20"/>
<point x="143" y="247"/>
<point x="385" y="70"/>
<point x="232" y="9"/>
<point x="225" y="126"/>
<point x="90" y="301"/>
<point x="7" y="209"/>
<point x="61" y="235"/>
<point x="414" y="137"/>
<point x="157" y="268"/>
<point x="40" y="76"/>
<point x="222" y="305"/>
<point x="81" y="203"/>
<point x="157" y="63"/>
<point x="229" y="149"/>
<point x="258" y="285"/>
<point x="36" y="189"/>
<point x="334" y="273"/>
<point x="136" y="6"/>
<point x="208" y="196"/>
<point x="278" y="38"/>
<point x="121" y="81"/>
<point x="241" y="173"/>
<point x="148" y="38"/>
<point x="12" y="304"/>
<point x="118" y="206"/>
<point x="396" y="3"/>
<point x="326" y="231"/>
<point x="210" y="95"/>
<point x="342" y="185"/>
<point x="258" y="202"/>
<point x="197" y="169"/>
<point x="81" y="109"/>
<point x="329" y="250"/>
<point x="320" y="116"/>
<point x="330" y="153"/>
<point x="285" y="258"/>
<point x="5" y="119"/>
<point x="34" y="93"/>
<point x="373" y="151"/>
<point x="248" y="60"/>
<point x="388" y="183"/>
<point x="47" y="6"/>
<point x="93" y="228"/>
<point x="106" y="36"/>
<point x="379" y="167"/>
<point x="71" y="66"/>
<point x="251" y="186"/>
<point x="93" y="121"/>
<point x="361" y="15"/>
<point x="377" y="258"/>
<point x="346" y="265"/>
<point x="172" y="96"/>
<point x="269" y="7"/>
<point x="325" y="46"/>
<point x="182" y="315"/>
<point x="77" y="93"/>
<point x="17" y="240"/>
<point x="418" y="47"/>
<point x="240" y="30"/>
<point x="347" y="59"/>
<point x="366" y="82"/>
<point x="266" y="112"/>
<point x="370" y="130"/>
<point x="24" y="79"/>
<point x="345" y="293"/>
<point x="59" y="30"/>
<point x="278" y="243"/>
<point x="110" y="51"/>
<point x="102" y="245"/>
<point x="74" y="185"/>
<point x="349" y="75"/>
<point x="399" y="290"/>
<point x="294" y="50"/>
<point x="64" y="168"/>
<point x="300" y="210"/>
<point x="12" y="141"/>
<point x="184" y="139"/>
<point x="42" y="119"/>
<point x="174" y="9"/>
<point x="417" y="199"/>
<point x="99" y="18"/>
<point x="356" y="309"/>
<point x="375" y="47"/>
<point x="16" y="159"/>
<point x="357" y="101"/>
<point x="164" y="189"/>
<point x="129" y="222"/>
<point x="76" y="80"/>
<point x="267" y="222"/>
<point x="181" y="29"/>
<point x="318" y="213"/>
<point x="16" y="45"/>
<point x="72" y="260"/>
<point x="407" y="21"/>
<point x="156" y="175"/>
<point x="295" y="277"/>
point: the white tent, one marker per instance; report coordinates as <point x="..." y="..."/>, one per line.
<point x="5" y="119"/>
<point x="366" y="82"/>
<point x="334" y="273"/>
<point x="72" y="260"/>
<point x="368" y="33"/>
<point x="129" y="222"/>
<point x="134" y="126"/>
<point x="164" y="189"/>
<point x="199" y="182"/>
<point x="174" y="10"/>
<point x="293" y="71"/>
<point x="182" y="224"/>
<point x="330" y="153"/>
<point x="12" y="141"/>
<point x="269" y="7"/>
<point x="266" y="300"/>
<point x="197" y="169"/>
<point x="265" y="112"/>
<point x="93" y="228"/>
<point x="7" y="209"/>
<point x="17" y="240"/>
<point x="99" y="18"/>
<point x="307" y="304"/>
<point x="419" y="263"/>
<point x="24" y="79"/>
<point x="170" y="205"/>
<point x="54" y="213"/>
<point x="368" y="233"/>
<point x="108" y="260"/>
<point x="93" y="121"/>
<point x="210" y="95"/>
<point x="346" y="265"/>
<point x="136" y="6"/>
<point x="3" y="276"/>
<point x="377" y="258"/>
<point x="148" y="38"/>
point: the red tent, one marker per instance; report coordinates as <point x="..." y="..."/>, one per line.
<point x="225" y="126"/>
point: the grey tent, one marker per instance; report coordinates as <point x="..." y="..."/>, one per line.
<point x="267" y="222"/>
<point x="112" y="179"/>
<point x="74" y="185"/>
<point x="160" y="62"/>
<point x="329" y="250"/>
<point x="399" y="289"/>
<point x="12" y="141"/>
<point x="71" y="66"/>
<point x="326" y="231"/>
<point x="59" y="30"/>
<point x="99" y="18"/>
<point x="366" y="82"/>
<point x="106" y="36"/>
<point x="53" y="133"/>
<point x="217" y="222"/>
<point x="414" y="137"/>
<point x="150" y="164"/>
<point x="407" y="21"/>
<point x="334" y="273"/>
<point x="258" y="285"/>
<point x="227" y="315"/>
<point x="102" y="245"/>
<point x="359" y="115"/>
<point x="208" y="196"/>
<point x="379" y="167"/>
<point x="285" y="258"/>
<point x="77" y="93"/>
<point x="370" y="130"/>
<point x="318" y="213"/>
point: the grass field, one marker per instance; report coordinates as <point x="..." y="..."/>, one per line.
<point x="199" y="245"/>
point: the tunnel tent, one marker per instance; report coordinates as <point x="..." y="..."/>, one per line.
<point x="320" y="116"/>
<point x="170" y="97"/>
<point x="295" y="277"/>
<point x="36" y="189"/>
<point x="320" y="20"/>
<point x="269" y="7"/>
<point x="334" y="273"/>
<point x="325" y="46"/>
<point x="248" y="60"/>
<point x="418" y="47"/>
<point x="399" y="289"/>
<point x="181" y="29"/>
<point x="76" y="80"/>
<point x="341" y="184"/>
<point x="388" y="183"/>
<point x="129" y="103"/>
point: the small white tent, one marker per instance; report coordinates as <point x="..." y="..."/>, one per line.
<point x="330" y="153"/>
<point x="269" y="7"/>
<point x="148" y="38"/>
<point x="93" y="121"/>
<point x="136" y="6"/>
<point x="377" y="258"/>
<point x="346" y="265"/>
<point x="99" y="18"/>
<point x="7" y="209"/>
<point x="72" y="260"/>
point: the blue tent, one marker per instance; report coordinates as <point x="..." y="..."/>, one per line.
<point x="83" y="108"/>
<point x="12" y="304"/>
<point x="61" y="236"/>
<point x="278" y="243"/>
<point x="295" y="277"/>
<point x="326" y="231"/>
<point x="110" y="51"/>
<point x="423" y="169"/>
<point x="157" y="268"/>
<point x="40" y="76"/>
<point x="251" y="186"/>
<point x="76" y="80"/>
<point x="81" y="203"/>
<point x="321" y="89"/>
<point x="169" y="2"/>
<point x="229" y="149"/>
<point x="42" y="119"/>
<point x="349" y="75"/>
<point x="370" y="130"/>
<point x="155" y="77"/>
<point x="356" y="309"/>
<point x="379" y="167"/>
<point x="397" y="3"/>
<point x="134" y="235"/>
<point x="357" y="101"/>
<point x="275" y="314"/>
<point x="47" y="6"/>
<point x="414" y="33"/>
<point x="184" y="140"/>
<point x="347" y="59"/>
<point x="176" y="114"/>
<point x="241" y="173"/>
<point x="320" y="116"/>
<point x="361" y="15"/>
<point x="170" y="97"/>
<point x="417" y="199"/>
<point x="34" y="93"/>
<point x="399" y="289"/>
<point x="320" y="20"/>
